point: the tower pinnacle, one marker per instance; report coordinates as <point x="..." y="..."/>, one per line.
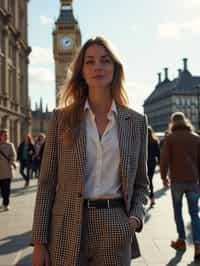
<point x="66" y="2"/>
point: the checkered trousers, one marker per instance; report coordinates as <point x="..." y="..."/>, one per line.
<point x="106" y="238"/>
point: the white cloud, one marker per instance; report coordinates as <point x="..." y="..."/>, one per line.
<point x="173" y="30"/>
<point x="192" y="25"/>
<point x="46" y="20"/>
<point x="134" y="28"/>
<point x="42" y="85"/>
<point x="41" y="77"/>
<point x="169" y="30"/>
<point x="41" y="55"/>
<point x="190" y="4"/>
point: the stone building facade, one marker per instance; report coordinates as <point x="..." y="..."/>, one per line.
<point x="180" y="94"/>
<point x="14" y="51"/>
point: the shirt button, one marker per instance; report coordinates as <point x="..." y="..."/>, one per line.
<point x="80" y="195"/>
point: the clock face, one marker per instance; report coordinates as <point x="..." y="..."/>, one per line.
<point x="66" y="42"/>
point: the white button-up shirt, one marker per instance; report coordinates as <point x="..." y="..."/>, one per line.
<point x="103" y="157"/>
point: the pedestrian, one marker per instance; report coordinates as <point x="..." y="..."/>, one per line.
<point x="25" y="154"/>
<point x="180" y="155"/>
<point x="7" y="163"/>
<point x="163" y="139"/>
<point x="93" y="183"/>
<point x="153" y="160"/>
<point x="37" y="156"/>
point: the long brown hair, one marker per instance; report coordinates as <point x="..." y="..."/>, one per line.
<point x="179" y="121"/>
<point x="75" y="91"/>
<point x="152" y="135"/>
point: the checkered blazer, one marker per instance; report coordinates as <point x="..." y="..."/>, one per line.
<point x="59" y="202"/>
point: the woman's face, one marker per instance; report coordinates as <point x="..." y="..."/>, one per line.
<point x="26" y="139"/>
<point x="98" y="67"/>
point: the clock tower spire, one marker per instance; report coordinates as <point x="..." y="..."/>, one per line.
<point x="66" y="2"/>
<point x="66" y="41"/>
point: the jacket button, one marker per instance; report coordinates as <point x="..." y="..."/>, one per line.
<point x="80" y="195"/>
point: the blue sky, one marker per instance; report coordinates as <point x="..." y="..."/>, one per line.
<point x="148" y="34"/>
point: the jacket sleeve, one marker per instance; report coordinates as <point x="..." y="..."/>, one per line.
<point x="12" y="153"/>
<point x="140" y="194"/>
<point x="46" y="186"/>
<point x="164" y="158"/>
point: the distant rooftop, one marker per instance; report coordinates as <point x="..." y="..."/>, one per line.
<point x="184" y="84"/>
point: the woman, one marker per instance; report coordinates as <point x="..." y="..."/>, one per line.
<point x="25" y="154"/>
<point x="153" y="159"/>
<point x="7" y="161"/>
<point x="37" y="157"/>
<point x="180" y="156"/>
<point x="93" y="183"/>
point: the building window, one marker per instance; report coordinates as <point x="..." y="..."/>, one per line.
<point x="2" y="74"/>
<point x="182" y="101"/>
<point x="11" y="9"/>
<point x="11" y="83"/>
<point x="2" y="3"/>
<point x="22" y="22"/>
<point x="10" y="50"/>
<point x="177" y="101"/>
<point x="2" y="46"/>
<point x="189" y="101"/>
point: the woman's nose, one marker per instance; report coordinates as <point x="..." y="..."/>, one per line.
<point x="98" y="65"/>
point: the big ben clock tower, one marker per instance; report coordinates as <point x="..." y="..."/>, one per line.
<point x="66" y="41"/>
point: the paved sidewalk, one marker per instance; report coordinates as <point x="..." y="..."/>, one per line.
<point x="159" y="230"/>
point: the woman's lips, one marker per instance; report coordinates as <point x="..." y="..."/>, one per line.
<point x="98" y="77"/>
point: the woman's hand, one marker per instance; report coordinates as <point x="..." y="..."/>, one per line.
<point x="40" y="256"/>
<point x="134" y="223"/>
<point x="166" y="183"/>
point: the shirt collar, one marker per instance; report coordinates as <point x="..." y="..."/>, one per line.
<point x="113" y="108"/>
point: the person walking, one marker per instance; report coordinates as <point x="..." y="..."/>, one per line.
<point x="93" y="184"/>
<point x="38" y="153"/>
<point x="180" y="156"/>
<point x="153" y="160"/>
<point x="25" y="154"/>
<point x="7" y="162"/>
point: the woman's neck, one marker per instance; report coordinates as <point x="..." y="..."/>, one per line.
<point x="100" y="103"/>
<point x="100" y="106"/>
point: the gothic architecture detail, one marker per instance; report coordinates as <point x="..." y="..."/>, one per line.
<point x="180" y="94"/>
<point x="14" y="51"/>
<point x="40" y="119"/>
<point x="66" y="41"/>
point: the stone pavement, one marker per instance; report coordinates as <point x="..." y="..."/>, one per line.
<point x="159" y="230"/>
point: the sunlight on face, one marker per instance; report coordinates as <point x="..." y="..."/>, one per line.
<point x="98" y="67"/>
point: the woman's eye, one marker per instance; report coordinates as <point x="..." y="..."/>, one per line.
<point x="106" y="60"/>
<point x="89" y="62"/>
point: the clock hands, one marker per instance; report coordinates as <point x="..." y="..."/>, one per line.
<point x="67" y="42"/>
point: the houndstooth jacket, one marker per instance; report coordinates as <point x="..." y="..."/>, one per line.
<point x="59" y="202"/>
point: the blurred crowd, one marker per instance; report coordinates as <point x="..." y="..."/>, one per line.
<point x="28" y="154"/>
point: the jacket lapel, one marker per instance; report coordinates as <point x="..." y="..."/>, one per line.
<point x="124" y="145"/>
<point x="80" y="150"/>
